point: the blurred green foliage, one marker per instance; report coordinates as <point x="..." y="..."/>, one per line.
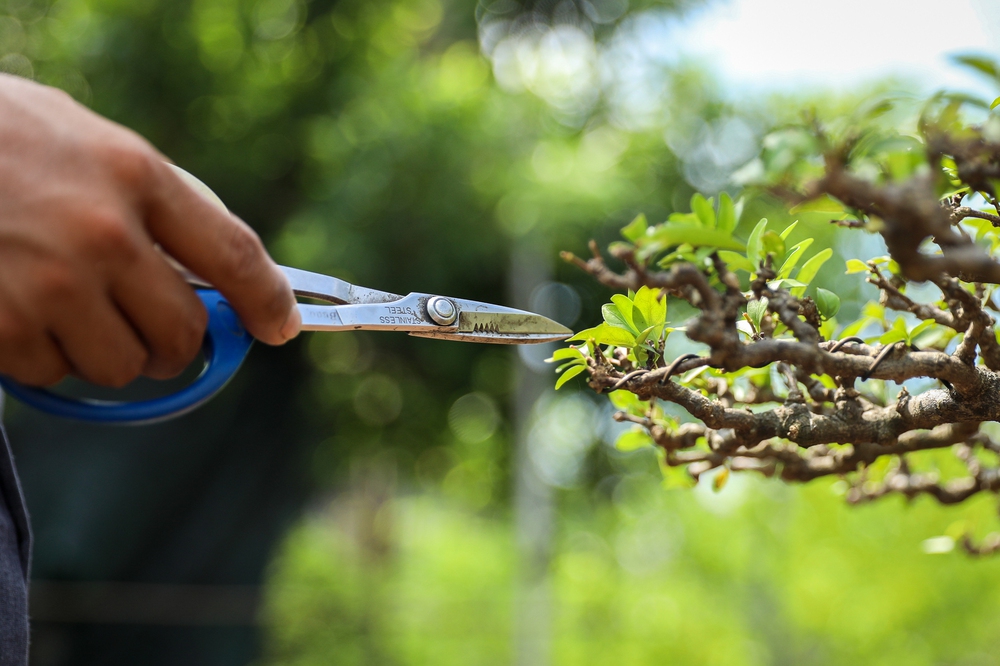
<point x="413" y="145"/>
<point x="759" y="573"/>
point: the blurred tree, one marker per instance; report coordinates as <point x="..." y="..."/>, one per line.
<point x="365" y="139"/>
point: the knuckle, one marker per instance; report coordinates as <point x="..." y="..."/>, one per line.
<point x="277" y="306"/>
<point x="56" y="285"/>
<point x="133" y="162"/>
<point x="244" y="254"/>
<point x="109" y="236"/>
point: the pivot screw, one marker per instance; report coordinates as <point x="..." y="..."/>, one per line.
<point x="441" y="310"/>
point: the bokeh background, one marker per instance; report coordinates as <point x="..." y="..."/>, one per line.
<point x="377" y="499"/>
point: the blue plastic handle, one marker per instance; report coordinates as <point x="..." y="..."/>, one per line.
<point x="226" y="345"/>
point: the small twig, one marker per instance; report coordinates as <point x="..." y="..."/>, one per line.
<point x="988" y="546"/>
<point x="962" y="212"/>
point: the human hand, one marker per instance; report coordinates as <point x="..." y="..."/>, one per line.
<point x="83" y="290"/>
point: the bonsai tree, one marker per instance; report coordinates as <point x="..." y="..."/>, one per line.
<point x="893" y="402"/>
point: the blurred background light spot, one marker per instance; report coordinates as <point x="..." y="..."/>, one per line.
<point x="461" y="72"/>
<point x="493" y="373"/>
<point x="12" y="35"/>
<point x="938" y="545"/>
<point x="338" y="354"/>
<point x="552" y="161"/>
<point x="561" y="436"/>
<point x="645" y="546"/>
<point x="220" y="41"/>
<point x="378" y="400"/>
<point x="556" y="301"/>
<point x="602" y="148"/>
<point x="604" y="11"/>
<point x="276" y="19"/>
<point x="533" y="357"/>
<point x="473" y="418"/>
<point x="16" y="64"/>
<point x="418" y="15"/>
<point x="516" y="215"/>
<point x="726" y="500"/>
<point x="556" y="63"/>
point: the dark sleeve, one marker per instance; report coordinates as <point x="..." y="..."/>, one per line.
<point x="15" y="554"/>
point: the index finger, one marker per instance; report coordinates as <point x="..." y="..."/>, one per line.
<point x="195" y="228"/>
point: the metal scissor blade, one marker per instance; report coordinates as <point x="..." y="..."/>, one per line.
<point x="484" y="322"/>
<point x="467" y="321"/>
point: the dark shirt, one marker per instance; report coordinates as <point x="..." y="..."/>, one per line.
<point x="15" y="556"/>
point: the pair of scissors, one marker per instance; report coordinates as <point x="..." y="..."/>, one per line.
<point x="351" y="308"/>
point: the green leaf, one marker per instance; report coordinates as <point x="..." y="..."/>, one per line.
<point x="785" y="282"/>
<point x="856" y="266"/>
<point x="773" y="245"/>
<point x="627" y="311"/>
<point x="899" y="324"/>
<point x="793" y="258"/>
<point x="892" y="336"/>
<point x="921" y="328"/>
<point x="630" y="440"/>
<point x="613" y="316"/>
<point x="756" y="310"/>
<point x="982" y="64"/>
<point x="788" y="230"/>
<point x="827" y="302"/>
<point x="651" y="305"/>
<point x="626" y="400"/>
<point x="727" y="214"/>
<point x="702" y="207"/>
<point x="823" y="204"/>
<point x="643" y="336"/>
<point x="566" y="353"/>
<point x="879" y="109"/>
<point x="604" y="334"/>
<point x="691" y="374"/>
<point x="737" y="261"/>
<point x="828" y="328"/>
<point x="626" y="304"/>
<point x="674" y="477"/>
<point x="568" y="375"/>
<point x="636" y="229"/>
<point x="873" y="310"/>
<point x="995" y="103"/>
<point x="855" y="328"/>
<point x="754" y="247"/>
<point x="810" y="268"/>
<point x="689" y="219"/>
<point x="673" y="233"/>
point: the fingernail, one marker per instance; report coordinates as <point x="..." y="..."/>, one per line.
<point x="292" y="325"/>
